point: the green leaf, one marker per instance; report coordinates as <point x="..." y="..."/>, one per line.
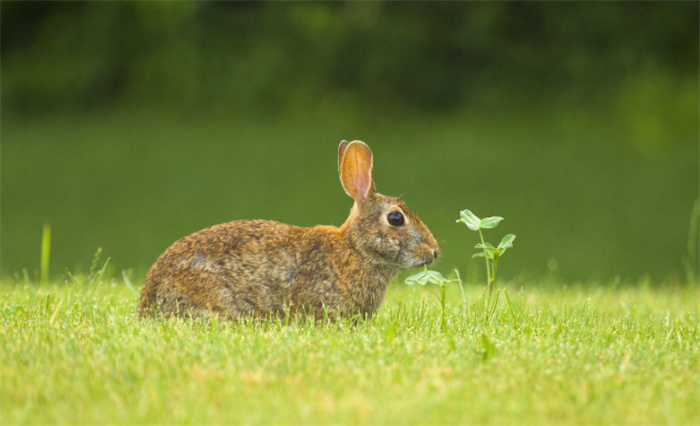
<point x="426" y="277"/>
<point x="485" y="246"/>
<point x="468" y="218"/>
<point x="419" y="278"/>
<point x="506" y="242"/>
<point x="486" y="254"/>
<point x="435" y="277"/>
<point x="490" y="222"/>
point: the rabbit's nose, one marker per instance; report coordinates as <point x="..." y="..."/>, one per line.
<point x="435" y="253"/>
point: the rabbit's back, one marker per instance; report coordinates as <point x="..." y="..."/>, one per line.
<point x="231" y="269"/>
<point x="257" y="267"/>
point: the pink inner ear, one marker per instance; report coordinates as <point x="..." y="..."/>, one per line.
<point x="362" y="173"/>
<point x="356" y="171"/>
<point x="361" y="182"/>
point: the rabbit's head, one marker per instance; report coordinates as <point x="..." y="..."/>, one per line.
<point x="382" y="228"/>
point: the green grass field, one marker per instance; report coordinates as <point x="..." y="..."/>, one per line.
<point x="599" y="354"/>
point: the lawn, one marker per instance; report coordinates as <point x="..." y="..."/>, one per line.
<point x="551" y="353"/>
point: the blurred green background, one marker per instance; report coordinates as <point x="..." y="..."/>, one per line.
<point x="127" y="125"/>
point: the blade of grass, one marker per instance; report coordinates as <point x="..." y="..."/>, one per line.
<point x="45" y="253"/>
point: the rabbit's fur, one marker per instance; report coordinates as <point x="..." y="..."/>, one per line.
<point x="262" y="268"/>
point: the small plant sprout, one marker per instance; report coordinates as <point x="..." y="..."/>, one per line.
<point x="490" y="253"/>
<point x="433" y="277"/>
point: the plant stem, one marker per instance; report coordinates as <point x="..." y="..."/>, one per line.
<point x="489" y="283"/>
<point x="493" y="275"/>
<point x="488" y="269"/>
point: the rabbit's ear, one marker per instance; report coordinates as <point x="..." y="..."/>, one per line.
<point x="356" y="169"/>
<point x="341" y="150"/>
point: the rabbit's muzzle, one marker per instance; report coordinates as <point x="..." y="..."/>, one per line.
<point x="426" y="257"/>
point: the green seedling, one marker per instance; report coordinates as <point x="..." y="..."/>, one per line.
<point x="433" y="277"/>
<point x="490" y="253"/>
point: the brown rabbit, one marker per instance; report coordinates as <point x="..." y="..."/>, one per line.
<point x="262" y="268"/>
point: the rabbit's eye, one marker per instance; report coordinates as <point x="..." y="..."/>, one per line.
<point x="395" y="218"/>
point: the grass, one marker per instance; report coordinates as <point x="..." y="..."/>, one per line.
<point x="599" y="354"/>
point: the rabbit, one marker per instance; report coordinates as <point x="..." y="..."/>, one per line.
<point x="266" y="269"/>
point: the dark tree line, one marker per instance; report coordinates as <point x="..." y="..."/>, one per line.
<point x="426" y="54"/>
